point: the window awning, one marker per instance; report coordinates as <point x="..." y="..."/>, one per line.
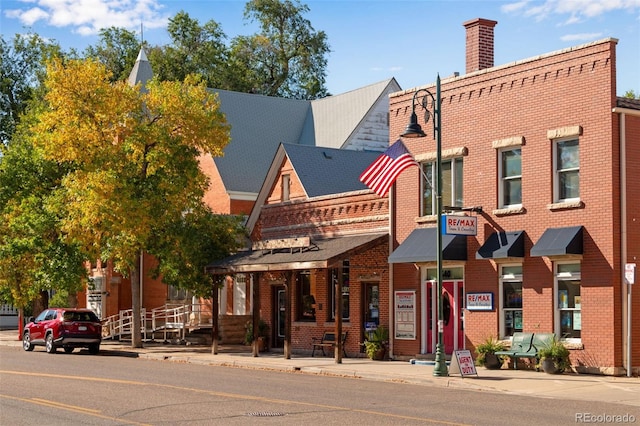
<point x="321" y="254"/>
<point x="559" y="242"/>
<point x="420" y="246"/>
<point x="502" y="245"/>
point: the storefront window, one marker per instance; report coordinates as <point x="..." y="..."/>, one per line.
<point x="306" y="300"/>
<point x="345" y="290"/>
<point x="511" y="299"/>
<point x="569" y="315"/>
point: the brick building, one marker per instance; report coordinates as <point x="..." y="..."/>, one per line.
<point x="546" y="158"/>
<point x="319" y="235"/>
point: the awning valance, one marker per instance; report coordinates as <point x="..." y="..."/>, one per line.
<point x="502" y="245"/>
<point x="321" y="254"/>
<point x="420" y="247"/>
<point x="559" y="242"/>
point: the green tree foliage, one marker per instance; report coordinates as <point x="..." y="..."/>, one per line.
<point x="22" y="65"/>
<point x="117" y="50"/>
<point x="286" y="59"/>
<point x="190" y="243"/>
<point x="34" y="254"/>
<point x="196" y="49"/>
<point x="135" y="155"/>
<point x="631" y="95"/>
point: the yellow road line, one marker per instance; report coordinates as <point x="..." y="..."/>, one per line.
<point x="232" y="396"/>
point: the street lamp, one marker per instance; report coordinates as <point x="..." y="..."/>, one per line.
<point x="414" y="130"/>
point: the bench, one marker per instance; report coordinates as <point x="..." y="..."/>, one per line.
<point x="526" y="345"/>
<point x="328" y="340"/>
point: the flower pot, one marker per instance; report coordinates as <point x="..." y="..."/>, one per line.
<point x="492" y="361"/>
<point x="380" y="354"/>
<point x="549" y="366"/>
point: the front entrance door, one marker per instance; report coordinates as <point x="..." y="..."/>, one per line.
<point x="371" y="307"/>
<point x="280" y="311"/>
<point x="452" y="315"/>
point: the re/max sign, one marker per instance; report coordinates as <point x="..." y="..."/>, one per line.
<point x="479" y="301"/>
<point x="460" y="225"/>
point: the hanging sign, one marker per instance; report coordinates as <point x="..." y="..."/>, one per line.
<point x="462" y="363"/>
<point x="479" y="302"/>
<point x="460" y="225"/>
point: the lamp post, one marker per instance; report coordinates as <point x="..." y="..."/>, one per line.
<point x="414" y="130"/>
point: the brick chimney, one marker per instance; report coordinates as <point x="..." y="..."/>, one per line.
<point x="479" y="44"/>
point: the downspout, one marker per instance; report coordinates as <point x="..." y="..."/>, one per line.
<point x="626" y="289"/>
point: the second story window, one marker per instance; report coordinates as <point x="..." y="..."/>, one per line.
<point x="451" y="185"/>
<point x="510" y="170"/>
<point x="286" y="182"/>
<point x="566" y="170"/>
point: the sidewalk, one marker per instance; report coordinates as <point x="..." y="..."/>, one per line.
<point x="622" y="390"/>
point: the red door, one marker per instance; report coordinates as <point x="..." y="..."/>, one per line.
<point x="453" y="324"/>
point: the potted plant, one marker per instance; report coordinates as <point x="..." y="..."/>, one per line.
<point x="554" y="358"/>
<point x="263" y="334"/>
<point x="376" y="344"/>
<point x="486" y="353"/>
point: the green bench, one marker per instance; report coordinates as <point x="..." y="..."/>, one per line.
<point x="526" y="345"/>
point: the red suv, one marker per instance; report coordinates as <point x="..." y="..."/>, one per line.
<point x="63" y="328"/>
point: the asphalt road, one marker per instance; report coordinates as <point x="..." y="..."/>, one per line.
<point x="115" y="388"/>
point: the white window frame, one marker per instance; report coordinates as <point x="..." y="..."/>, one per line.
<point x="504" y="179"/>
<point x="557" y="172"/>
<point x="505" y="277"/>
<point x="565" y="276"/>
<point x="286" y="186"/>
<point x="456" y="163"/>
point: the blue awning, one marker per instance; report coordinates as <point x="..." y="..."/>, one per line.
<point x="420" y="246"/>
<point x="502" y="245"/>
<point x="559" y="242"/>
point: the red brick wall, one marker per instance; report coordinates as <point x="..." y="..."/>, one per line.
<point x="575" y="87"/>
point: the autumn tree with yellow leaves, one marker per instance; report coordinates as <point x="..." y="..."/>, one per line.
<point x="135" y="156"/>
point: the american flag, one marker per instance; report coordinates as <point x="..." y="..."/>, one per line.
<point x="383" y="172"/>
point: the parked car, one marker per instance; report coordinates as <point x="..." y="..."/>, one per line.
<point x="65" y="328"/>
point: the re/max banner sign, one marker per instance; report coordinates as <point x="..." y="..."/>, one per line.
<point x="459" y="225"/>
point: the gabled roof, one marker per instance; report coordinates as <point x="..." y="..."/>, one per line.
<point x="327" y="171"/>
<point x="141" y="71"/>
<point x="260" y="123"/>
<point x="321" y="171"/>
<point x="335" y="118"/>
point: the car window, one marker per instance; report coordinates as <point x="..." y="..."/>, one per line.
<point x="41" y="316"/>
<point x="80" y="316"/>
<point x="50" y="315"/>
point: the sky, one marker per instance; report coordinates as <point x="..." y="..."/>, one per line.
<point x="370" y="40"/>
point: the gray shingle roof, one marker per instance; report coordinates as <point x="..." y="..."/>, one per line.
<point x="141" y="71"/>
<point x="326" y="171"/>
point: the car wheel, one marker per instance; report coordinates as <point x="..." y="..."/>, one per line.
<point x="94" y="348"/>
<point x="68" y="350"/>
<point x="51" y="348"/>
<point x="26" y="342"/>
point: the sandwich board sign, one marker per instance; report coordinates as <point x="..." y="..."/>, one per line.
<point x="462" y="363"/>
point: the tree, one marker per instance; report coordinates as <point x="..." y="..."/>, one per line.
<point x="136" y="158"/>
<point x="631" y="94"/>
<point x="190" y="243"/>
<point x="196" y="49"/>
<point x="35" y="255"/>
<point x="117" y="50"/>
<point x="22" y="65"/>
<point x="286" y="59"/>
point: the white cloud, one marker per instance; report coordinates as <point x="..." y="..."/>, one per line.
<point x="581" y="37"/>
<point x="577" y="10"/>
<point x="87" y="17"/>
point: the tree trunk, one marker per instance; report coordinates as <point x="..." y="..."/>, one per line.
<point x="136" y="329"/>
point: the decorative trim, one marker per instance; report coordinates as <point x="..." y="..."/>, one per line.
<point x="564" y="132"/>
<point x="446" y="154"/>
<point x="512" y="141"/>
<point x="427" y="219"/>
